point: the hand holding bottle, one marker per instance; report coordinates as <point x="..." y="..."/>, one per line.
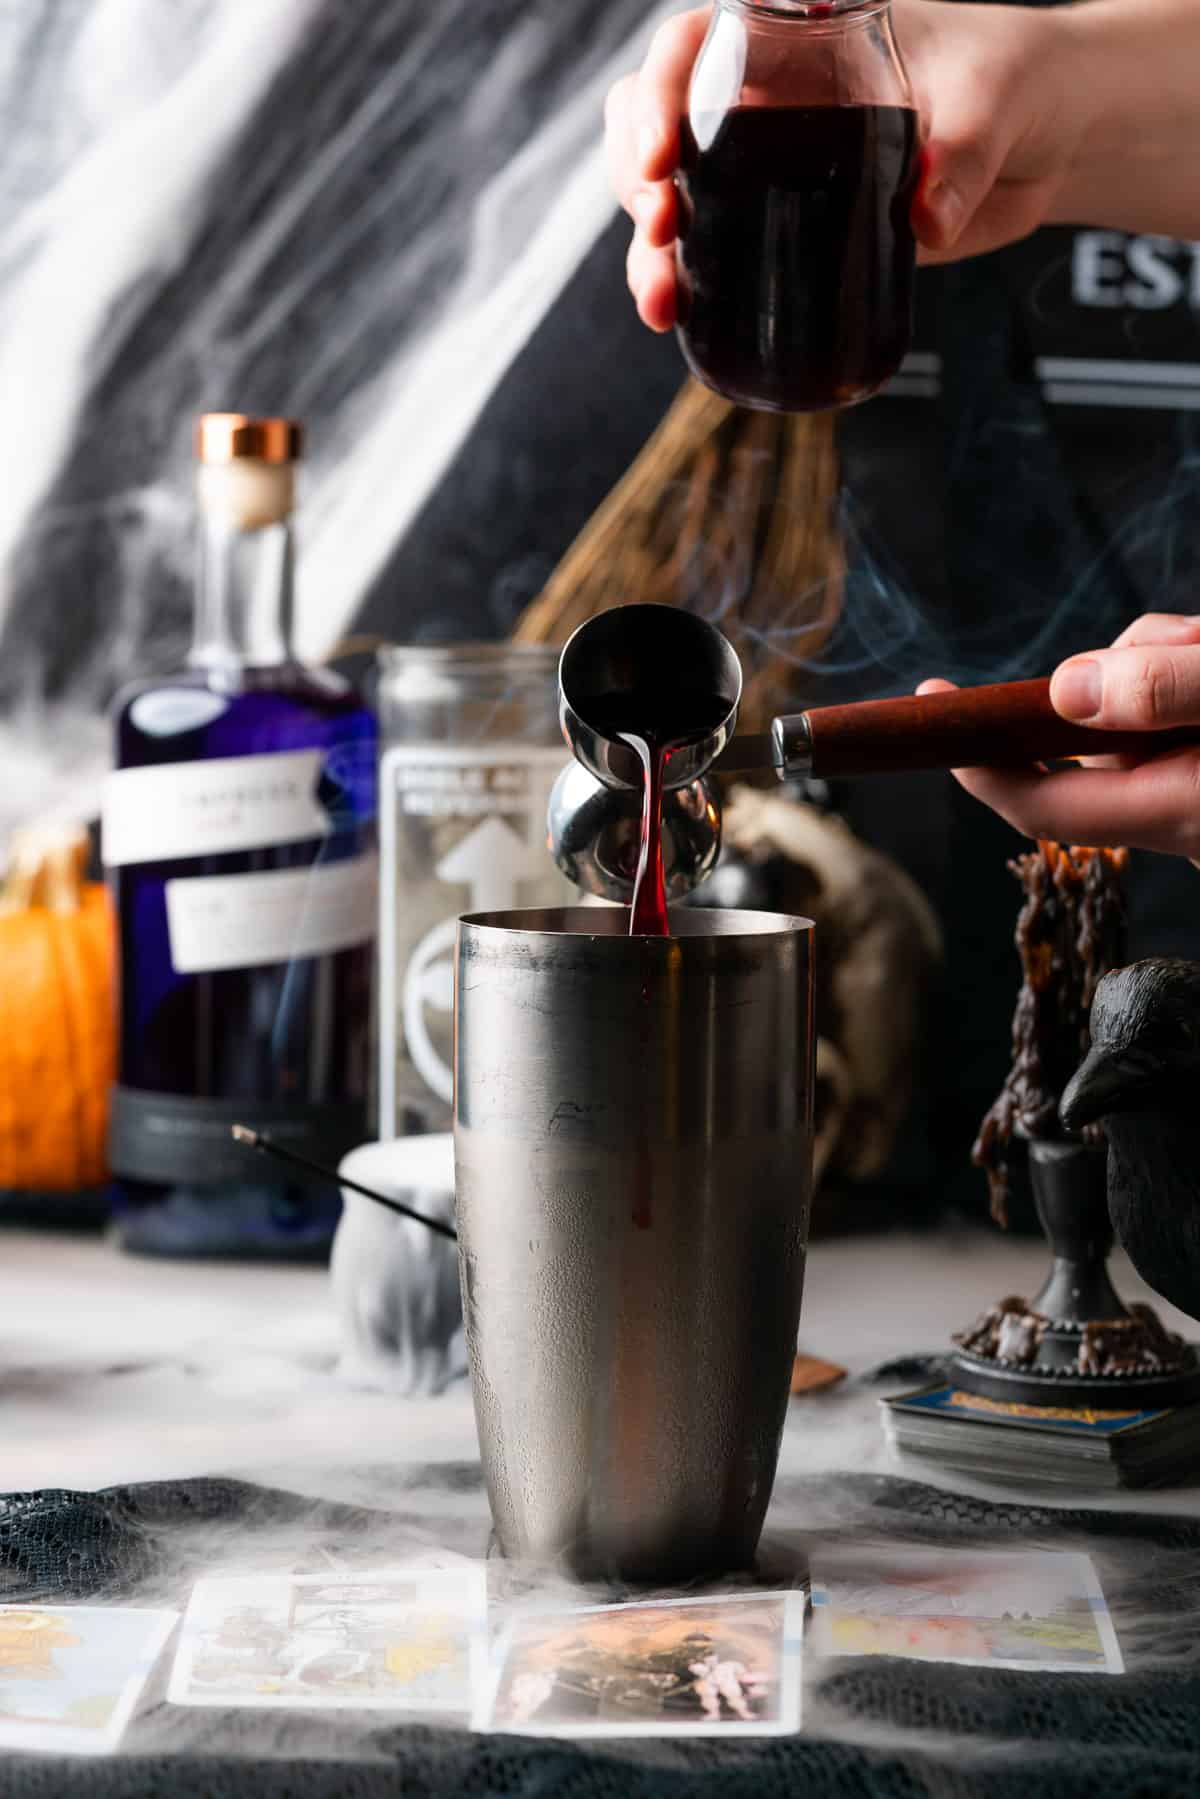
<point x="1083" y="113"/>
<point x="1149" y="680"/>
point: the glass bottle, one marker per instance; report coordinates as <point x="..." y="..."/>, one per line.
<point x="239" y="834"/>
<point x="471" y="748"/>
<point x="800" y="157"/>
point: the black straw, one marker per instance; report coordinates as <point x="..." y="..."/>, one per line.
<point x="268" y="1147"/>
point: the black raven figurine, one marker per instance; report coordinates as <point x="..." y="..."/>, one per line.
<point x="1142" y="1077"/>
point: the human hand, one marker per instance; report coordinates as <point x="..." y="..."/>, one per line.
<point x="1149" y="680"/>
<point x="992" y="84"/>
<point x="642" y="117"/>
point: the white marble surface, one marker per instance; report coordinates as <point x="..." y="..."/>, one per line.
<point x="114" y="1369"/>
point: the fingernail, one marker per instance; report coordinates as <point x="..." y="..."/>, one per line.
<point x="1077" y="689"/>
<point x="649" y="144"/>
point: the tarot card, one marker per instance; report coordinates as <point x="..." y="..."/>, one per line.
<point x="1036" y="1611"/>
<point x="70" y="1675"/>
<point x="398" y="1640"/>
<point x="1007" y="1414"/>
<point x="725" y="1666"/>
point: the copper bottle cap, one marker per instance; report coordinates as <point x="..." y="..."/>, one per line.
<point x="233" y="437"/>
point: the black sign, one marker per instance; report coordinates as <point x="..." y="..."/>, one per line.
<point x="1112" y="320"/>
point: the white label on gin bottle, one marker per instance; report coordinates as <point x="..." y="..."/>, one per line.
<point x="180" y="809"/>
<point x="244" y="921"/>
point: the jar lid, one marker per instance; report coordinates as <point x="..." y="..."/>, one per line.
<point x="235" y="436"/>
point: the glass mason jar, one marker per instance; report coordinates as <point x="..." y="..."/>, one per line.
<point x="800" y="158"/>
<point x="471" y="747"/>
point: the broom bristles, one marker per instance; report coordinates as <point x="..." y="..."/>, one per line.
<point x="730" y="513"/>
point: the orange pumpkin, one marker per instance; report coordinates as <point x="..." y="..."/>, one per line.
<point x="57" y="1016"/>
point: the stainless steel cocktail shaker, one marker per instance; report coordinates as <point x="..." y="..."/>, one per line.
<point x="633" y="1127"/>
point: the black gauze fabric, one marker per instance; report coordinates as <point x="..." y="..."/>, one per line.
<point x="874" y="1728"/>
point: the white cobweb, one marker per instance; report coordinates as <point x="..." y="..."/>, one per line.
<point x="360" y="212"/>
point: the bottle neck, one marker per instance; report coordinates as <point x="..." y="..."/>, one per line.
<point x="244" y="573"/>
<point x="820" y="16"/>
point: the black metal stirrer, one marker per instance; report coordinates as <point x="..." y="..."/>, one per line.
<point x="268" y="1147"/>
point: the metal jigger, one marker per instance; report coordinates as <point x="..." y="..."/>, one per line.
<point x="595" y="834"/>
<point x="654" y="652"/>
<point x="595" y="812"/>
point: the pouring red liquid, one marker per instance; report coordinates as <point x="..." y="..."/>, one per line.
<point x="639" y="687"/>
<point x="648" y="913"/>
<point x="656" y="727"/>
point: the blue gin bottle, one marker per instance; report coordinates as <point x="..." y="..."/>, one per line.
<point x="239" y="836"/>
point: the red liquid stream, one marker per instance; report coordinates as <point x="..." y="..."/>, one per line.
<point x="648" y="918"/>
<point x="680" y="720"/>
<point x="656" y="725"/>
<point x="648" y="912"/>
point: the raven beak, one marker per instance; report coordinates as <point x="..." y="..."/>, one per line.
<point x="1107" y="1081"/>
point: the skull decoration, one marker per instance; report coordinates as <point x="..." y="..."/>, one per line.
<point x="880" y="950"/>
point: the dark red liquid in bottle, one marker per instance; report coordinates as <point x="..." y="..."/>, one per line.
<point x="656" y="726"/>
<point x="796" y="254"/>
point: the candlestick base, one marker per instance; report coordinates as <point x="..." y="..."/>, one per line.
<point x="1075" y="1343"/>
